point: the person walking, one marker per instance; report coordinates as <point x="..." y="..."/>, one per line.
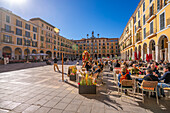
<point x="55" y="64"/>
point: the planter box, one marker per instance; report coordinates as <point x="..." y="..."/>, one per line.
<point x="85" y="89"/>
<point x="73" y="78"/>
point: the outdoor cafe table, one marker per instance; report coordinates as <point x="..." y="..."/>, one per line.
<point x="136" y="77"/>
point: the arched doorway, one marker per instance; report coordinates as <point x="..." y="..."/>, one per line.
<point x="163" y="48"/>
<point x="49" y="54"/>
<point x="58" y="54"/>
<point x="54" y="54"/>
<point x="95" y="56"/>
<point x="144" y="51"/>
<point x="42" y="57"/>
<point x="26" y="53"/>
<point x="34" y="51"/>
<point x="152" y="49"/>
<point x="7" y="52"/>
<point x="108" y="55"/>
<point x="18" y="53"/>
<point x="103" y="55"/>
<point x="100" y="55"/>
<point x="139" y="52"/>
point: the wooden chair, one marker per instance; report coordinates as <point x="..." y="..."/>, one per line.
<point x="167" y="91"/>
<point x="126" y="84"/>
<point x="149" y="86"/>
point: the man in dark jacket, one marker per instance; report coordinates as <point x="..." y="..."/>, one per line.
<point x="166" y="78"/>
<point x="117" y="64"/>
<point x="149" y="76"/>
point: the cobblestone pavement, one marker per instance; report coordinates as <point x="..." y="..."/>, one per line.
<point x="18" y="66"/>
<point x="40" y="90"/>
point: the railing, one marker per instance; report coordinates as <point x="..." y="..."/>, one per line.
<point x="168" y="21"/>
<point x="148" y="17"/>
<point x="138" y="37"/>
<point x="10" y="42"/>
<point x="149" y="33"/>
<point x="5" y="30"/>
<point x="41" y="46"/>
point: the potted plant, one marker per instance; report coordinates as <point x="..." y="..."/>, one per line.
<point x="87" y="84"/>
<point x="72" y="71"/>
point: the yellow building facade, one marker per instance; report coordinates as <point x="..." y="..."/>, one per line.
<point x="20" y="38"/>
<point x="98" y="47"/>
<point x="149" y="27"/>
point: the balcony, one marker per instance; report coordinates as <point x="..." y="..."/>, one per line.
<point x="8" y="41"/>
<point x="151" y="16"/>
<point x="5" y="30"/>
<point x="41" y="46"/>
<point x="151" y="33"/>
<point x="168" y="22"/>
<point x="138" y="28"/>
<point x="138" y="38"/>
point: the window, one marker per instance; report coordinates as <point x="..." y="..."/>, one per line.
<point x="42" y="38"/>
<point x="18" y="23"/>
<point x="27" y="26"/>
<point x="143" y="19"/>
<point x="7" y="19"/>
<point x="42" y="32"/>
<point x="34" y="36"/>
<point x="144" y="33"/>
<point x="34" y="44"/>
<point x="162" y="21"/>
<point x="18" y="32"/>
<point x="150" y="1"/>
<point x="151" y="27"/>
<point x="135" y="19"/>
<point x="7" y="39"/>
<point x="143" y="6"/>
<point x="27" y="34"/>
<point x="7" y="28"/>
<point x="42" y="25"/>
<point x="19" y="41"/>
<point x="27" y="42"/>
<point x="139" y="14"/>
<point x="151" y="10"/>
<point x="158" y="5"/>
<point x="139" y="23"/>
<point x="135" y="28"/>
<point x="34" y="29"/>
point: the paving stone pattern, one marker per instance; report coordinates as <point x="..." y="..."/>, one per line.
<point x="40" y="90"/>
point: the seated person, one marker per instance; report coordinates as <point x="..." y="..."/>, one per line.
<point x="148" y="77"/>
<point x="166" y="78"/>
<point x="96" y="73"/>
<point x="117" y="64"/>
<point x="134" y="70"/>
<point x="95" y="66"/>
<point x="155" y="71"/>
<point x="123" y="76"/>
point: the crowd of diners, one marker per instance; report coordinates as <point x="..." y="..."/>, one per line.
<point x="152" y="71"/>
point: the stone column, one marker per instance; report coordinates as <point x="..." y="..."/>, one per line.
<point x="133" y="55"/>
<point x="22" y="54"/>
<point x="153" y="55"/>
<point x="147" y="50"/>
<point x="156" y="53"/>
<point x="142" y="56"/>
<point x="169" y="51"/>
<point x="161" y="55"/>
<point x="166" y="54"/>
<point x="13" y="54"/>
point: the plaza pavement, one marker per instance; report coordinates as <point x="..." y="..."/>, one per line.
<point x="40" y="90"/>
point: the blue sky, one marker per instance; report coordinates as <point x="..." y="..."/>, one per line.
<point x="77" y="18"/>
